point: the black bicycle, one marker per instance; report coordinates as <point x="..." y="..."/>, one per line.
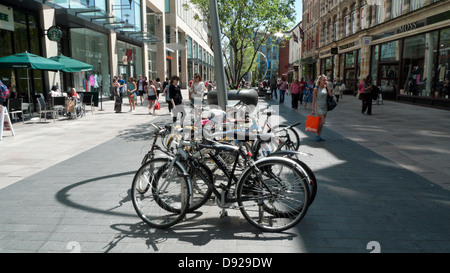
<point x="272" y="193"/>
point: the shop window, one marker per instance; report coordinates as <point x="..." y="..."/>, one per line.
<point x="5" y="41"/>
<point x="89" y="46"/>
<point x="389" y="52"/>
<point x="419" y="55"/>
<point x="349" y="59"/>
<point x="374" y="64"/>
<point x="443" y="72"/>
<point x="20" y="32"/>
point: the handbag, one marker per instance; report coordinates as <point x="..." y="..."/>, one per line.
<point x="312" y="123"/>
<point x="157" y="106"/>
<point x="331" y="103"/>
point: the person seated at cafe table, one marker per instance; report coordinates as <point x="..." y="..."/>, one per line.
<point x="73" y="93"/>
<point x="55" y="92"/>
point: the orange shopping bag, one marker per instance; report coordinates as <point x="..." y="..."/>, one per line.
<point x="312" y="123"/>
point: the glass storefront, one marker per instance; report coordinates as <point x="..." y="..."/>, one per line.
<point x="25" y="37"/>
<point x="326" y="67"/>
<point x="91" y="47"/>
<point x="349" y="69"/>
<point x="416" y="66"/>
<point x="130" y="60"/>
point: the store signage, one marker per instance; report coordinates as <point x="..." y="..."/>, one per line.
<point x="54" y="33"/>
<point x="325" y="52"/>
<point x="352" y="44"/>
<point x="6" y="18"/>
<point x="407" y="27"/>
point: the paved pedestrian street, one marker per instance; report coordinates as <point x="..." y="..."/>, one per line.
<point x="383" y="186"/>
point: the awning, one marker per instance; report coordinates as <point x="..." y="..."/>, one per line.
<point x="71" y="65"/>
<point x="30" y="61"/>
<point x="175" y="46"/>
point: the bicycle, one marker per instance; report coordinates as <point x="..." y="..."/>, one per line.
<point x="266" y="194"/>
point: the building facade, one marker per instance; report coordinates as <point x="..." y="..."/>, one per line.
<point x="295" y="53"/>
<point x="126" y="37"/>
<point x="402" y="44"/>
<point x="310" y="41"/>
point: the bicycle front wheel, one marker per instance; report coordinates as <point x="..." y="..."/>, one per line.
<point x="274" y="196"/>
<point x="160" y="194"/>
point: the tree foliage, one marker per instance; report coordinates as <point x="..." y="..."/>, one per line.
<point x="245" y="26"/>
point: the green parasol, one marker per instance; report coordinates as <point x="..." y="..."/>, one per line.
<point x="71" y="65"/>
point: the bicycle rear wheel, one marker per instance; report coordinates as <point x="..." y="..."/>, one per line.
<point x="288" y="136"/>
<point x="274" y="198"/>
<point x="160" y="195"/>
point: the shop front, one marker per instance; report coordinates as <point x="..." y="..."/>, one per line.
<point x="411" y="62"/>
<point x="327" y="67"/>
<point x="19" y="32"/>
<point x="349" y="68"/>
<point x="90" y="46"/>
<point x="309" y="69"/>
<point x="130" y="60"/>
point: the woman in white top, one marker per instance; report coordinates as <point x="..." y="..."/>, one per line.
<point x="197" y="89"/>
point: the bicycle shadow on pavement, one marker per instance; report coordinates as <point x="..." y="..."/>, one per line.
<point x="193" y="233"/>
<point x="144" y="131"/>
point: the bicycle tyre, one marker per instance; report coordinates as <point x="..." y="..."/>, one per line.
<point x="277" y="203"/>
<point x="201" y="193"/>
<point x="293" y="135"/>
<point x="312" y="177"/>
<point x="160" y="208"/>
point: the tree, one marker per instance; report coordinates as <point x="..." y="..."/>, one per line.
<point x="246" y="25"/>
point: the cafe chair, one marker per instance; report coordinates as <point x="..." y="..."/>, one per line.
<point x="43" y="111"/>
<point x="59" y="105"/>
<point x="88" y="100"/>
<point x="15" y="108"/>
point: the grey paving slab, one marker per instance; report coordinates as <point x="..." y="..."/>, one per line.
<point x="371" y="189"/>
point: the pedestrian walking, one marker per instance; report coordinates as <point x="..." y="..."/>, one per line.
<point x="273" y="88"/>
<point x="166" y="94"/>
<point x="361" y="90"/>
<point x="294" y="91"/>
<point x="308" y="94"/>
<point x="132" y="93"/>
<point x="121" y="83"/>
<point x="339" y="89"/>
<point x="367" y="96"/>
<point x="176" y="99"/>
<point x="158" y="86"/>
<point x="302" y="84"/>
<point x="117" y="96"/>
<point x="197" y="90"/>
<point x="152" y="98"/>
<point x="319" y="104"/>
<point x="140" y="88"/>
<point x="282" y="86"/>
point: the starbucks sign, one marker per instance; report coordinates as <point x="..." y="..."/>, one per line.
<point x="54" y="33"/>
<point x="6" y="18"/>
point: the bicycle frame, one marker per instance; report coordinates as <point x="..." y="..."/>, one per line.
<point x="224" y="199"/>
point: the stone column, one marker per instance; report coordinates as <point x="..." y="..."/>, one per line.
<point x="160" y="32"/>
<point x="184" y="74"/>
<point x="50" y="49"/>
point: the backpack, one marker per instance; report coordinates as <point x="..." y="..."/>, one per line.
<point x="4" y="91"/>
